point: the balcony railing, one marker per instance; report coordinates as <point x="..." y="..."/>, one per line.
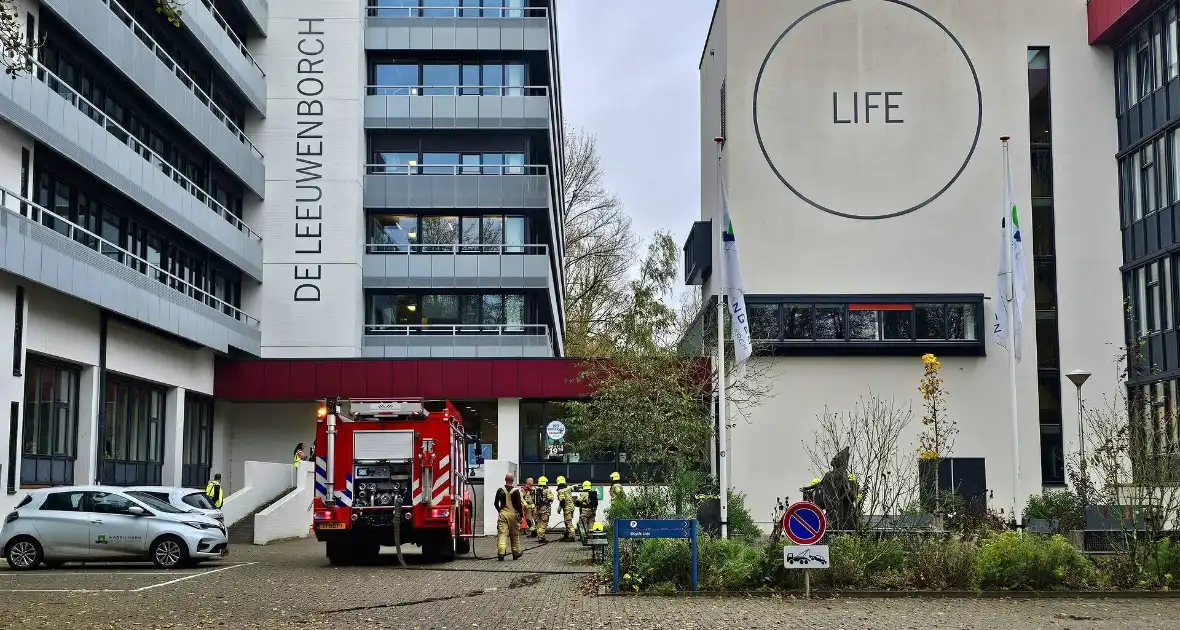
<point x="376" y="9"/>
<point x="454" y="330"/>
<point x="96" y="114"/>
<point x="456" y="169"/>
<point x="188" y="81"/>
<point x="456" y="249"/>
<point x="17" y="204"/>
<point x="232" y="36"/>
<point x="456" y="90"/>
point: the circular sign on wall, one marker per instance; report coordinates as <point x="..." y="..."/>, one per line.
<point x="867" y="109"/>
<point x="555" y="430"/>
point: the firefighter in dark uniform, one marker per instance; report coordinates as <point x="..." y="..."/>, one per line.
<point x="544" y="504"/>
<point x="588" y="503"/>
<point x="510" y="507"/>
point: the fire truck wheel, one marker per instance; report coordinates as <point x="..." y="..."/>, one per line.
<point x="340" y="553"/>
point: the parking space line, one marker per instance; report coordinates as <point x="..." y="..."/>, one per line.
<point x="53" y="574"/>
<point x="63" y="590"/>
<point x="189" y="577"/>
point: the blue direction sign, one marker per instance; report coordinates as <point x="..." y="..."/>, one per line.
<point x="638" y="529"/>
<point x="804" y="523"/>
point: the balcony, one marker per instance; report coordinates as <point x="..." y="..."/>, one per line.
<point x="456" y="28"/>
<point x="127" y="46"/>
<point x="49" y="249"/>
<point x="259" y="13"/>
<point x="456" y="186"/>
<point x="55" y="114"/>
<point x="457" y="107"/>
<point x="389" y="266"/>
<point x="460" y="341"/>
<point x="227" y="49"/>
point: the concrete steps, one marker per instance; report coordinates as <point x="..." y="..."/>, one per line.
<point x="242" y="532"/>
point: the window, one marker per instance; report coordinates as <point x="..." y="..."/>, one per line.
<point x="198" y="501"/>
<point x="798" y="323"/>
<point x="456" y="309"/>
<point x="1146" y="67"/>
<point x="449" y="78"/>
<point x="763" y="319"/>
<point x="63" y="502"/>
<point x="829" y="322"/>
<point x="930" y="320"/>
<point x="107" y="503"/>
<point x="403" y="230"/>
<point x="133" y="444"/>
<point x="875" y="322"/>
<point x="50" y="423"/>
<point x="197" y="460"/>
<point x="1173" y="49"/>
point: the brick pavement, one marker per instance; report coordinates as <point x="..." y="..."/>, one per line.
<point x="290" y="585"/>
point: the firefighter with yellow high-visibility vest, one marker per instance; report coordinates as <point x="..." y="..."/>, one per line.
<point x="616" y="488"/>
<point x="213" y="491"/>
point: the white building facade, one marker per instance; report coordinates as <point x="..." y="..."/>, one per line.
<point x="364" y="181"/>
<point x="864" y="174"/>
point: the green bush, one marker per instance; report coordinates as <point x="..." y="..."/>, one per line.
<point x="861" y="562"/>
<point x="741" y="523"/>
<point x="1064" y="505"/>
<point x="1162" y="566"/>
<point x="660" y="560"/>
<point x="1028" y="562"/>
<point x="941" y="564"/>
<point x="728" y="565"/>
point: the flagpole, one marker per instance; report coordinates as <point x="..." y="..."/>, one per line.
<point x="722" y="416"/>
<point x="1010" y="310"/>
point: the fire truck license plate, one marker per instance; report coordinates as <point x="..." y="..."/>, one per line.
<point x="330" y="526"/>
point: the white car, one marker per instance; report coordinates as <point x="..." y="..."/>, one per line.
<point x="101" y="523"/>
<point x="185" y="499"/>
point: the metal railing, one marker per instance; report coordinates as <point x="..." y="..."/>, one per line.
<point x="232" y="36"/>
<point x="188" y="81"/>
<point x="456" y="330"/>
<point x="92" y="111"/>
<point x="375" y="9"/>
<point x="411" y="249"/>
<point x="456" y="169"/>
<point x="25" y="207"/>
<point x="456" y="90"/>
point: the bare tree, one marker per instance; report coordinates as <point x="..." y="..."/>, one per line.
<point x="873" y="432"/>
<point x="600" y="247"/>
<point x="1132" y="464"/>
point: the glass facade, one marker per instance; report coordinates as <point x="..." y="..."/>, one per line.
<point x="197" y="460"/>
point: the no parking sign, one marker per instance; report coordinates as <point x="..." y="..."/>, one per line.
<point x="804" y="523"/>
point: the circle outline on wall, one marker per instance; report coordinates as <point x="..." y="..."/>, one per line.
<point x="954" y="178"/>
<point x="807" y="506"/>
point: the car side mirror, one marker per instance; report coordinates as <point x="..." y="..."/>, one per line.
<point x="135" y="510"/>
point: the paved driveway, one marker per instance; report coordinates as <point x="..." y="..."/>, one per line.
<point x="290" y="585"/>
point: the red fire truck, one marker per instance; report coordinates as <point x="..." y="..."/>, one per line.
<point x="389" y="472"/>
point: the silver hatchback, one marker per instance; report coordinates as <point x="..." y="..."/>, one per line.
<point x="100" y="523"/>
<point x="184" y="499"/>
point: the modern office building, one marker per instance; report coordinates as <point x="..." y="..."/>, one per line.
<point x="371" y="184"/>
<point x="865" y="178"/>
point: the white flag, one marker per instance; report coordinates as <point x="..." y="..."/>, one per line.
<point x="1010" y="238"/>
<point x="735" y="290"/>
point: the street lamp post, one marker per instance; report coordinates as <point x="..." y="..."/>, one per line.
<point x="1078" y="378"/>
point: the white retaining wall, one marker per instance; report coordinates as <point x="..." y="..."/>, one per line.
<point x="291" y="516"/>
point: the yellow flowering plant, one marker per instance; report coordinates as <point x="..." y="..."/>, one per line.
<point x="937" y="439"/>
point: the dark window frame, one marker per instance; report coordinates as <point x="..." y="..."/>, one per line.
<point x="197" y="447"/>
<point x="51" y="463"/>
<point x="135" y="413"/>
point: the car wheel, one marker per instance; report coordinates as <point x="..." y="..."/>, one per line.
<point x="169" y="552"/>
<point x="24" y="554"/>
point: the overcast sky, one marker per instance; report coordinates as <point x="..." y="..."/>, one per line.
<point x="629" y="76"/>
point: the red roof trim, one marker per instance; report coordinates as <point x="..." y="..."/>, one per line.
<point x="310" y="379"/>
<point x="1110" y="20"/>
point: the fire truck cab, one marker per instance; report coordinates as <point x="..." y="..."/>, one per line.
<point x="387" y="473"/>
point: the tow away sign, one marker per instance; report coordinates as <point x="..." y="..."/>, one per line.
<point x="806" y="557"/>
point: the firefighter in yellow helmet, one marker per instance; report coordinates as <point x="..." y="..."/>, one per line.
<point x="544" y="500"/>
<point x="510" y="507"/>
<point x="616" y="488"/>
<point x="565" y="502"/>
<point x="588" y="503"/>
<point x="527" y="495"/>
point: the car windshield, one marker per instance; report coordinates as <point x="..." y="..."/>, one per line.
<point x="155" y="503"/>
